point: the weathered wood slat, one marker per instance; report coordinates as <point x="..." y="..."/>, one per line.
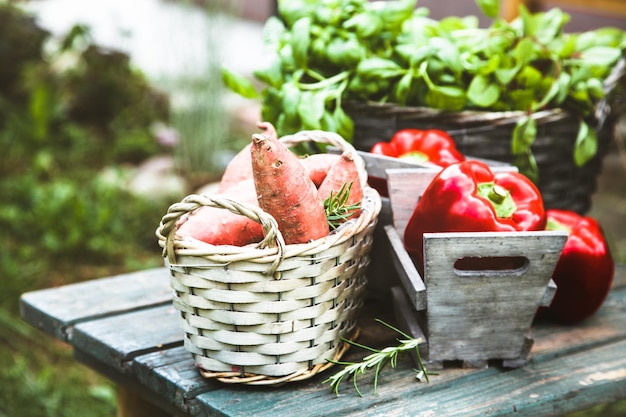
<point x="117" y="339"/>
<point x="482" y="315"/>
<point x="398" y="390"/>
<point x="586" y="379"/>
<point x="572" y="367"/>
<point x="56" y="310"/>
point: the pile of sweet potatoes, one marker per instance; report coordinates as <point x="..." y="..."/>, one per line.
<point x="291" y="188"/>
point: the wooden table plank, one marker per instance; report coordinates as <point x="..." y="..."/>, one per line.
<point x="56" y="310"/>
<point x="396" y="387"/>
<point x="172" y="375"/>
<point x="585" y="379"/>
<point x="118" y="339"/>
<point x="137" y="340"/>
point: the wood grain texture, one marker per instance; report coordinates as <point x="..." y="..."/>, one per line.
<point x="56" y="310"/>
<point x="117" y="339"/>
<point x="571" y="368"/>
<point x="474" y="315"/>
<point x="406" y="270"/>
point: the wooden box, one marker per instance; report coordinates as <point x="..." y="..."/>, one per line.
<point x="473" y="316"/>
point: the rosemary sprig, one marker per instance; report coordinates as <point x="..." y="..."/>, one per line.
<point x="377" y="360"/>
<point x="337" y="208"/>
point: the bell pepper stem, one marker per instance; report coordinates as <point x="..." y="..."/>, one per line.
<point x="499" y="197"/>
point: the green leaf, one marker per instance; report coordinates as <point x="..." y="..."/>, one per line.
<point x="524" y="51"/>
<point x="586" y="144"/>
<point x="527" y="165"/>
<point x="600" y="55"/>
<point x="446" y="98"/>
<point x="365" y="25"/>
<point x="506" y="75"/>
<point x="300" y="41"/>
<point x="403" y="88"/>
<point x="344" y="124"/>
<point x="490" y="8"/>
<point x="524" y="135"/>
<point x="482" y="91"/>
<point x="272" y="33"/>
<point x="311" y="108"/>
<point x="376" y="67"/>
<point x="272" y="75"/>
<point x="290" y="100"/>
<point x="239" y="84"/>
<point x="550" y="24"/>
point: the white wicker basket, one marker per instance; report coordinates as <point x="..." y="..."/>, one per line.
<point x="269" y="313"/>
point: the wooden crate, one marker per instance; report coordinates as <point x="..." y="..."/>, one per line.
<point x="473" y="316"/>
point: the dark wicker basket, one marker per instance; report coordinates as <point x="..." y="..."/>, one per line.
<point x="488" y="135"/>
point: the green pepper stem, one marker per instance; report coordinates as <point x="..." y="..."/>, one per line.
<point x="499" y="197"/>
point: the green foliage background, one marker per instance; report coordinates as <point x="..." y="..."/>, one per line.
<point x="61" y="220"/>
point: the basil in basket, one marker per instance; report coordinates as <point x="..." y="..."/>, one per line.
<point x="329" y="52"/>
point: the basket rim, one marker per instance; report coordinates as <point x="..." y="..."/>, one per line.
<point x="263" y="253"/>
<point x="272" y="249"/>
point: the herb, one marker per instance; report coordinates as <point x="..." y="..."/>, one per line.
<point x="377" y="360"/>
<point x="336" y="207"/>
<point x="330" y="52"/>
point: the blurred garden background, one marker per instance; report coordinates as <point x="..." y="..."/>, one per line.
<point x="110" y="112"/>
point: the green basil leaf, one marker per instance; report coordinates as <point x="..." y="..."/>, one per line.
<point x="344" y="124"/>
<point x="527" y="165"/>
<point x="595" y="88"/>
<point x="239" y="84"/>
<point x="300" y="41"/>
<point x="446" y="98"/>
<point x="271" y="75"/>
<point x="586" y="144"/>
<point x="529" y="77"/>
<point x="553" y="91"/>
<point x="290" y="99"/>
<point x="524" y="51"/>
<point x="482" y="91"/>
<point x="311" y="108"/>
<point x="521" y="99"/>
<point x="490" y="8"/>
<point x="365" y="25"/>
<point x="550" y="24"/>
<point x="376" y="67"/>
<point x="272" y="33"/>
<point x="448" y="53"/>
<point x="393" y="13"/>
<point x="600" y="55"/>
<point x="524" y="134"/>
<point x="506" y="75"/>
<point x="403" y="88"/>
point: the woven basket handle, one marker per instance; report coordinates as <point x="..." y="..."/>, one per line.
<point x="329" y="138"/>
<point x="273" y="237"/>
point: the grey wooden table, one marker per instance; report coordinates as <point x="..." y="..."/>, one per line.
<point x="126" y="328"/>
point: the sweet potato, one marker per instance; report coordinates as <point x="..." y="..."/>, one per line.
<point x="317" y="166"/>
<point x="219" y="226"/>
<point x="240" y="167"/>
<point x="343" y="173"/>
<point x="285" y="191"/>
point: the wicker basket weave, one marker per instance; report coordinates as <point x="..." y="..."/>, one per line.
<point x="269" y="313"/>
<point x="488" y="135"/>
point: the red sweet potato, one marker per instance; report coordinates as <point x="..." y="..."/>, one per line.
<point x="318" y="165"/>
<point x="219" y="226"/>
<point x="285" y="191"/>
<point x="240" y="167"/>
<point x="343" y="173"/>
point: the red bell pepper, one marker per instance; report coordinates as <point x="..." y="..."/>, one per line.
<point x="469" y="197"/>
<point x="584" y="272"/>
<point x="414" y="145"/>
